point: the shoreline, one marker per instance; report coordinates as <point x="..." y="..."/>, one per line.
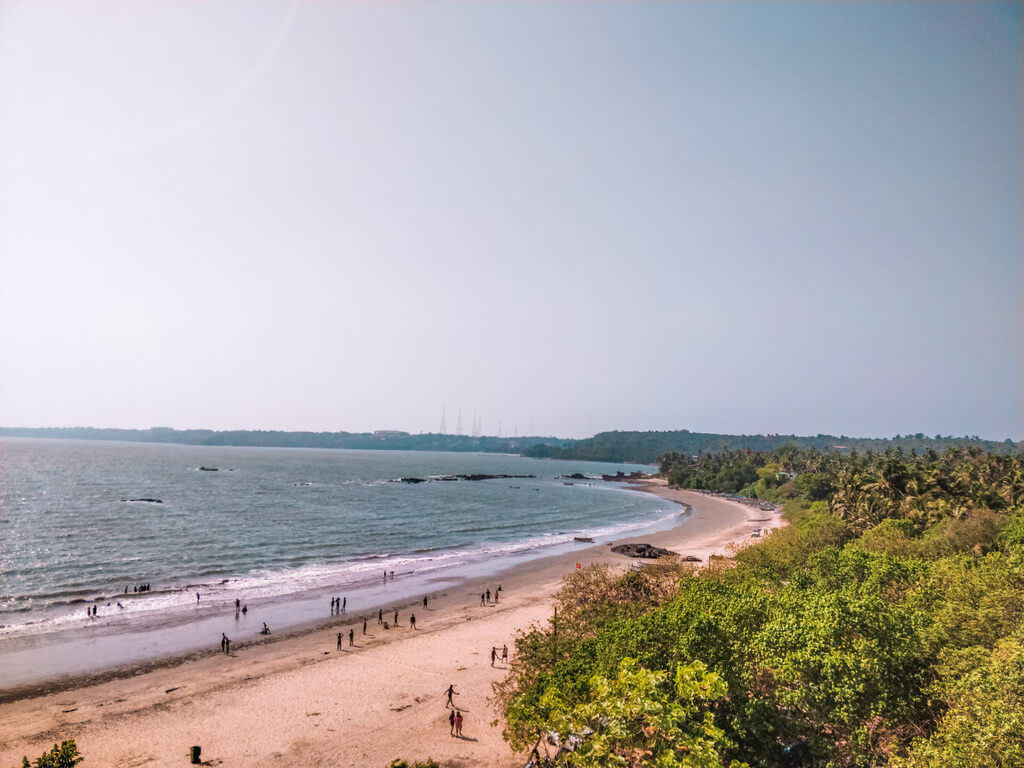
<point x="245" y="707"/>
<point x="110" y="672"/>
<point x="76" y="652"/>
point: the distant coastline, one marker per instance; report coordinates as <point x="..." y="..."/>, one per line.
<point x="392" y="440"/>
<point x="617" y="446"/>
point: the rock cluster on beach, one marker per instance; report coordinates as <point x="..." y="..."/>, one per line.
<point x="647" y="551"/>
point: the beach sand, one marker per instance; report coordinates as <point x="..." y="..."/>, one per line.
<point x="297" y="701"/>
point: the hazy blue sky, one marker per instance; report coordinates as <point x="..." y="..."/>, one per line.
<point x="563" y="217"/>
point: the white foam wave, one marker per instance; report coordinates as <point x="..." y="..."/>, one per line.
<point x="341" y="576"/>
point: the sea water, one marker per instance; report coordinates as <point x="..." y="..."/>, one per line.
<point x="83" y="523"/>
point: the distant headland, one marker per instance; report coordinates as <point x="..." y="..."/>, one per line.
<point x="621" y="447"/>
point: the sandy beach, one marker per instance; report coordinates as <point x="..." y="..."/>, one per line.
<point x="296" y="700"/>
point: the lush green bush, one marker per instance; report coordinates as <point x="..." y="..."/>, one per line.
<point x="63" y="756"/>
<point x="883" y="626"/>
<point x="641" y="718"/>
<point x="983" y="722"/>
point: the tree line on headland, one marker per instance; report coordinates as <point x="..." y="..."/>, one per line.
<point x="883" y="627"/>
<point x="647" y="447"/>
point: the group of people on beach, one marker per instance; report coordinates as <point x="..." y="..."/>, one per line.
<point x="455" y="716"/>
<point x="137" y="588"/>
<point x="455" y="721"/>
<point x="485" y="597"/>
<point x="338" y="605"/>
<point x="504" y="654"/>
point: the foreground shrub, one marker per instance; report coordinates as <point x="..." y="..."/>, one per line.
<point x="639" y="718"/>
<point x="63" y="756"/>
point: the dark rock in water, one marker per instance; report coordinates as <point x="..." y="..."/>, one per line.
<point x="450" y="478"/>
<point x="575" y="476"/>
<point x="150" y="501"/>
<point x="621" y="477"/>
<point x="207" y="469"/>
<point x="495" y="477"/>
<point x="646" y="551"/>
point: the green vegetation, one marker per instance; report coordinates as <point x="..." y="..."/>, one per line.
<point x="63" y="756"/>
<point x="646" y="447"/>
<point x="883" y="626"/>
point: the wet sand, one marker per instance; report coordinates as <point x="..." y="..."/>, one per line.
<point x="296" y="700"/>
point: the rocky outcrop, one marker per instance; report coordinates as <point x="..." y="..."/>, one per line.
<point x="646" y="551"/>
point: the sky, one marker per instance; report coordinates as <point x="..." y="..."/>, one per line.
<point x="551" y="218"/>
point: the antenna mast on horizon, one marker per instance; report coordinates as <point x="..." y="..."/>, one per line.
<point x="458" y="424"/>
<point x="444" y="425"/>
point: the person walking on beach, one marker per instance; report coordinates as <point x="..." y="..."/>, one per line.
<point x="488" y="595"/>
<point x="223" y="641"/>
<point x="424" y="603"/>
<point x="481" y="598"/>
<point x="364" y="626"/>
<point x="451" y="722"/>
<point x="351" y="637"/>
<point x="495" y="596"/>
<point x="458" y="723"/>
<point x="227" y="645"/>
<point x="396" y="618"/>
<point x="412" y="620"/>
<point x="504" y="654"/>
<point x="494" y="654"/>
<point x="339" y="641"/>
<point x="451" y="691"/>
